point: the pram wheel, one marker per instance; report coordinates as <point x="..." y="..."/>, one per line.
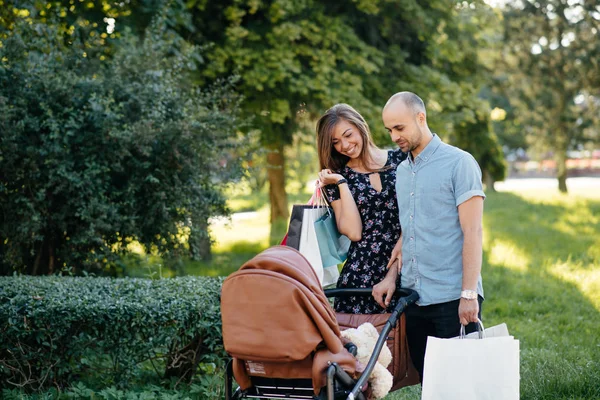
<point x="237" y="394"/>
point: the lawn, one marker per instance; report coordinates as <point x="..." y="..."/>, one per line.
<point x="541" y="274"/>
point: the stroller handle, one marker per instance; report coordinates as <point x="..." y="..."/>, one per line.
<point x="343" y="292"/>
<point x="408" y="297"/>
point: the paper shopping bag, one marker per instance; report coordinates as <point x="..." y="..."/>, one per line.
<point x="309" y="247"/>
<point x="471" y="369"/>
<point x="331" y="275"/>
<point x="494" y="331"/>
<point x="332" y="244"/>
<point x="295" y="226"/>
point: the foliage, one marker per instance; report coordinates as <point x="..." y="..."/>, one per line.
<point x="95" y="154"/>
<point x="299" y="58"/>
<point x="295" y="59"/>
<point x="551" y="75"/>
<point x="103" y="331"/>
<point x="206" y="387"/>
<point x="477" y="138"/>
<point x="88" y="21"/>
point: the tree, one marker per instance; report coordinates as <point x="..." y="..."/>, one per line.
<point x="552" y="74"/>
<point x="440" y="54"/>
<point x="292" y="57"/>
<point x="477" y="138"/>
<point x="302" y="57"/>
<point x="97" y="154"/>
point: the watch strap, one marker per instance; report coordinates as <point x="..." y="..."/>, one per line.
<point x="469" y="294"/>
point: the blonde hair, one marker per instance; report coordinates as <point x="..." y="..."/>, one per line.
<point x="329" y="157"/>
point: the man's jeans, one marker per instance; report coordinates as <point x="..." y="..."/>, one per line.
<point x="439" y="320"/>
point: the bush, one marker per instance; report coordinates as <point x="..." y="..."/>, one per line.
<point x="96" y="153"/>
<point x="194" y="391"/>
<point x="104" y="331"/>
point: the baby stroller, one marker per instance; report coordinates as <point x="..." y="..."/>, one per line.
<point x="283" y="335"/>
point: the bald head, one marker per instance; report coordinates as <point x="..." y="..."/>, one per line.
<point x="407" y="99"/>
<point x="405" y="120"/>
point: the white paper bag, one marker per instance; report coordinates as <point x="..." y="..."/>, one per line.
<point x="309" y="247"/>
<point x="330" y="275"/>
<point x="494" y="331"/>
<point x="473" y="368"/>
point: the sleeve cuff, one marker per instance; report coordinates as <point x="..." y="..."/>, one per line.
<point x="466" y="196"/>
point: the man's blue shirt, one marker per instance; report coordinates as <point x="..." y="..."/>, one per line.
<point x="429" y="189"/>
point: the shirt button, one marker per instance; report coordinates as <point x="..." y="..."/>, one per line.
<point x="412" y="193"/>
<point x="411" y="238"/>
<point x="411" y="217"/>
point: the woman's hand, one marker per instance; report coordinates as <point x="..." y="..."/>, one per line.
<point x="327" y="177"/>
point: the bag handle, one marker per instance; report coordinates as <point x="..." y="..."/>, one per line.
<point x="318" y="199"/>
<point x="480" y="330"/>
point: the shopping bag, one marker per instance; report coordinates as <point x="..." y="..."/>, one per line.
<point x="284" y="240"/>
<point x="295" y="225"/>
<point x="292" y="237"/>
<point x="332" y="244"/>
<point x="307" y="241"/>
<point x="309" y="247"/>
<point x="480" y="368"/>
<point x="331" y="275"/>
<point x="494" y="331"/>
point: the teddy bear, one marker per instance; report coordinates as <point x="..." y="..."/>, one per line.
<point x="365" y="337"/>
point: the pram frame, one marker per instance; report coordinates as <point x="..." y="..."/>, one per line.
<point x="334" y="372"/>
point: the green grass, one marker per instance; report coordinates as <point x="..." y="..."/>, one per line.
<point x="541" y="275"/>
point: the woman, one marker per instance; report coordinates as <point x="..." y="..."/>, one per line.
<point x="359" y="182"/>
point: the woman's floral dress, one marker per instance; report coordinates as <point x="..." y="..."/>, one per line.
<point x="367" y="259"/>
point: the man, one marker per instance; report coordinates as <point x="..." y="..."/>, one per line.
<point x="440" y="198"/>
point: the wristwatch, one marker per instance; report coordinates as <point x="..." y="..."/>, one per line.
<point x="469" y="294"/>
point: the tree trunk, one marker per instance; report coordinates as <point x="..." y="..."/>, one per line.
<point x="277" y="195"/>
<point x="38" y="258"/>
<point x="203" y="243"/>
<point x="489" y="181"/>
<point x="50" y="257"/>
<point x="182" y="363"/>
<point x="276" y="174"/>
<point x="561" y="169"/>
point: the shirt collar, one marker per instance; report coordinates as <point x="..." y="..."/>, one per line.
<point x="428" y="151"/>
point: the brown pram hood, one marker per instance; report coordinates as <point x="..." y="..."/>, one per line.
<point x="274" y="310"/>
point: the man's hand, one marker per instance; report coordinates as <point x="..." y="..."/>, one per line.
<point x="396" y="255"/>
<point x="468" y="311"/>
<point x="384" y="290"/>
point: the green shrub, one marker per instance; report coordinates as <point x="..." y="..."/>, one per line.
<point x="200" y="390"/>
<point x="96" y="153"/>
<point x="104" y="331"/>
